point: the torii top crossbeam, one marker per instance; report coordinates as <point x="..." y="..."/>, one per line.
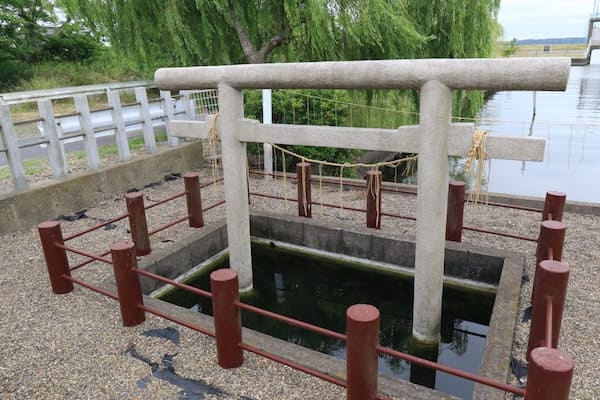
<point x="434" y="139"/>
<point x="470" y="74"/>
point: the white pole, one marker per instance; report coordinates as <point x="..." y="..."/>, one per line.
<point x="267" y="119"/>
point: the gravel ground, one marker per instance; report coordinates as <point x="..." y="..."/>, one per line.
<point x="73" y="346"/>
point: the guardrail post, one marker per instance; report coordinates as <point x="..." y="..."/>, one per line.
<point x="554" y="205"/>
<point x="55" y="146"/>
<point x="128" y="283"/>
<point x="188" y="104"/>
<point x="56" y="258"/>
<point x="191" y="180"/>
<point x="138" y="223"/>
<point x="551" y="281"/>
<point x="374" y="199"/>
<point x="85" y="122"/>
<point x="149" y="140"/>
<point x="226" y="314"/>
<point x="362" y="331"/>
<point x="456" y="209"/>
<point x="304" y="192"/>
<point x="167" y="102"/>
<point x="114" y="101"/>
<point x="550" y="374"/>
<point x="11" y="145"/>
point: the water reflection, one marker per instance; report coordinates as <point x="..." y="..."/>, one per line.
<point x="570" y="121"/>
<point x="318" y="291"/>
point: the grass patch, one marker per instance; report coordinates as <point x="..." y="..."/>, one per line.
<point x="32" y="166"/>
<point x="37" y="166"/>
<point x="134" y="144"/>
<point x="107" y="67"/>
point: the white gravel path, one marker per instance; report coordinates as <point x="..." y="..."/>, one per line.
<point x="73" y="346"/>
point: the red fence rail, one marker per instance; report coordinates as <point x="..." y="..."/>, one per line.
<point x="554" y="203"/>
<point x="361" y="336"/>
<point x="550" y="369"/>
<point x="53" y="242"/>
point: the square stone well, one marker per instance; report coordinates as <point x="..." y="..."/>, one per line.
<point x="465" y="265"/>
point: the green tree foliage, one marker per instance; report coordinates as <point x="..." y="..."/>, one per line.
<point x="29" y="35"/>
<point x="69" y="43"/>
<point x="22" y="24"/>
<point x="20" y="33"/>
<point x="213" y="32"/>
<point x="209" y="32"/>
<point x="458" y="29"/>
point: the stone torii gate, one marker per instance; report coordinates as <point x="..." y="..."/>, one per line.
<point x="434" y="139"/>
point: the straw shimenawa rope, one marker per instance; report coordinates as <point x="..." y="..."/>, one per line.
<point x="374" y="166"/>
<point x="213" y="142"/>
<point x="478" y="153"/>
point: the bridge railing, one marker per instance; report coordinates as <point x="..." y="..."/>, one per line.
<point x="32" y="125"/>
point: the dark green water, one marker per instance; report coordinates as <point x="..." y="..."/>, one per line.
<point x="319" y="290"/>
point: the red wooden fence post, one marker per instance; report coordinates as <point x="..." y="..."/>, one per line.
<point x="138" y="223"/>
<point x="551" y="281"/>
<point x="128" y="283"/>
<point x="549" y="376"/>
<point x="552" y="236"/>
<point x="191" y="181"/>
<point x="374" y="199"/>
<point x="226" y="315"/>
<point x="362" y="331"/>
<point x="304" y="192"/>
<point x="56" y="258"/>
<point x="554" y="205"/>
<point x="456" y="208"/>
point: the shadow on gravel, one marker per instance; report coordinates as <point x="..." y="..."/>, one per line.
<point x="189" y="388"/>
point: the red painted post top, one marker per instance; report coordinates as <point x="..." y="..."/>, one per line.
<point x="223" y="275"/>
<point x="362" y="313"/>
<point x="554" y="206"/>
<point x="550" y="375"/>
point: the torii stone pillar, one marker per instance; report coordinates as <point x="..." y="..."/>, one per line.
<point x="435" y="138"/>
<point x="432" y="203"/>
<point x="234" y="157"/>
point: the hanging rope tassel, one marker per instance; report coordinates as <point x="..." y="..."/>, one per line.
<point x="478" y="153"/>
<point x="321" y="188"/>
<point x="213" y="140"/>
<point x="410" y="166"/>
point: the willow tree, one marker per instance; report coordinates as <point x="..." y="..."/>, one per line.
<point x="209" y="32"/>
<point x="458" y="29"/>
<point x="205" y="32"/>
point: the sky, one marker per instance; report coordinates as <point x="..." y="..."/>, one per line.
<point x="540" y="19"/>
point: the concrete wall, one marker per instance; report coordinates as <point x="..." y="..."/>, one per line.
<point x="462" y="261"/>
<point x="23" y="209"/>
<point x="183" y="255"/>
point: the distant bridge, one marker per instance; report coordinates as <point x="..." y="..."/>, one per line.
<point x="593" y="37"/>
<point x="593" y="40"/>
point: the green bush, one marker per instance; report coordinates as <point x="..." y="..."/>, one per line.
<point x="11" y="72"/>
<point x="69" y="43"/>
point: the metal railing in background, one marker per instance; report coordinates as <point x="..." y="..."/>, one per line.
<point x="50" y="130"/>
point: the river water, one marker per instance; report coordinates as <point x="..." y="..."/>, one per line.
<point x="569" y="121"/>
